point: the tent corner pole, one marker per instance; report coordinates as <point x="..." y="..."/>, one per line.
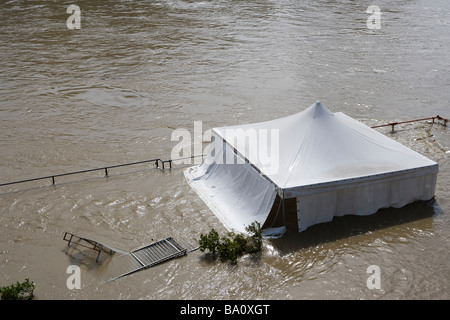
<point x="283" y="209"/>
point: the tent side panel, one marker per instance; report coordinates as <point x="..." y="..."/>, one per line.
<point x="363" y="198"/>
<point x="234" y="191"/>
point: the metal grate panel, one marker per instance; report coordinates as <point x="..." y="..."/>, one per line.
<point x="146" y="257"/>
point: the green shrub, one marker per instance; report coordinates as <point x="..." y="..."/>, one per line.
<point x="254" y="242"/>
<point x="229" y="250"/>
<point x="230" y="247"/>
<point x="19" y="291"/>
<point x="209" y="241"/>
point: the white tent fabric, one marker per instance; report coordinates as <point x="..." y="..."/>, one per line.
<point x="332" y="164"/>
<point x="236" y="193"/>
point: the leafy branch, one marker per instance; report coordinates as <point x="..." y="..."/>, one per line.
<point x="18" y="291"/>
<point x="235" y="244"/>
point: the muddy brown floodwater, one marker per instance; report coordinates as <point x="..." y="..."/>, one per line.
<point x="114" y="90"/>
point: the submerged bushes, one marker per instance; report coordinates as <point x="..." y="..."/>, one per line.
<point x="18" y="291"/>
<point x="230" y="247"/>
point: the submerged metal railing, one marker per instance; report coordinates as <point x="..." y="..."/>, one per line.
<point x="157" y="163"/>
<point x="394" y="123"/>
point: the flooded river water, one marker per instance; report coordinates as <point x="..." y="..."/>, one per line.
<point x="115" y="90"/>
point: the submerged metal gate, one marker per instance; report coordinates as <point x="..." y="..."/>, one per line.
<point x="138" y="259"/>
<point x="146" y="257"/>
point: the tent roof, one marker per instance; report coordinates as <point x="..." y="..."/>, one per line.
<point x="316" y="146"/>
<point x="312" y="156"/>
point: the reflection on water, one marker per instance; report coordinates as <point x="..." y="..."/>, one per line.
<point x="114" y="91"/>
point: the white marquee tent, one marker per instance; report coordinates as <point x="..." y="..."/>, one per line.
<point x="330" y="163"/>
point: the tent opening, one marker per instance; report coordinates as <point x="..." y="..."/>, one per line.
<point x="275" y="218"/>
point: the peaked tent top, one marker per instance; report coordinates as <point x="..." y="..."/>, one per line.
<point x="316" y="146"/>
